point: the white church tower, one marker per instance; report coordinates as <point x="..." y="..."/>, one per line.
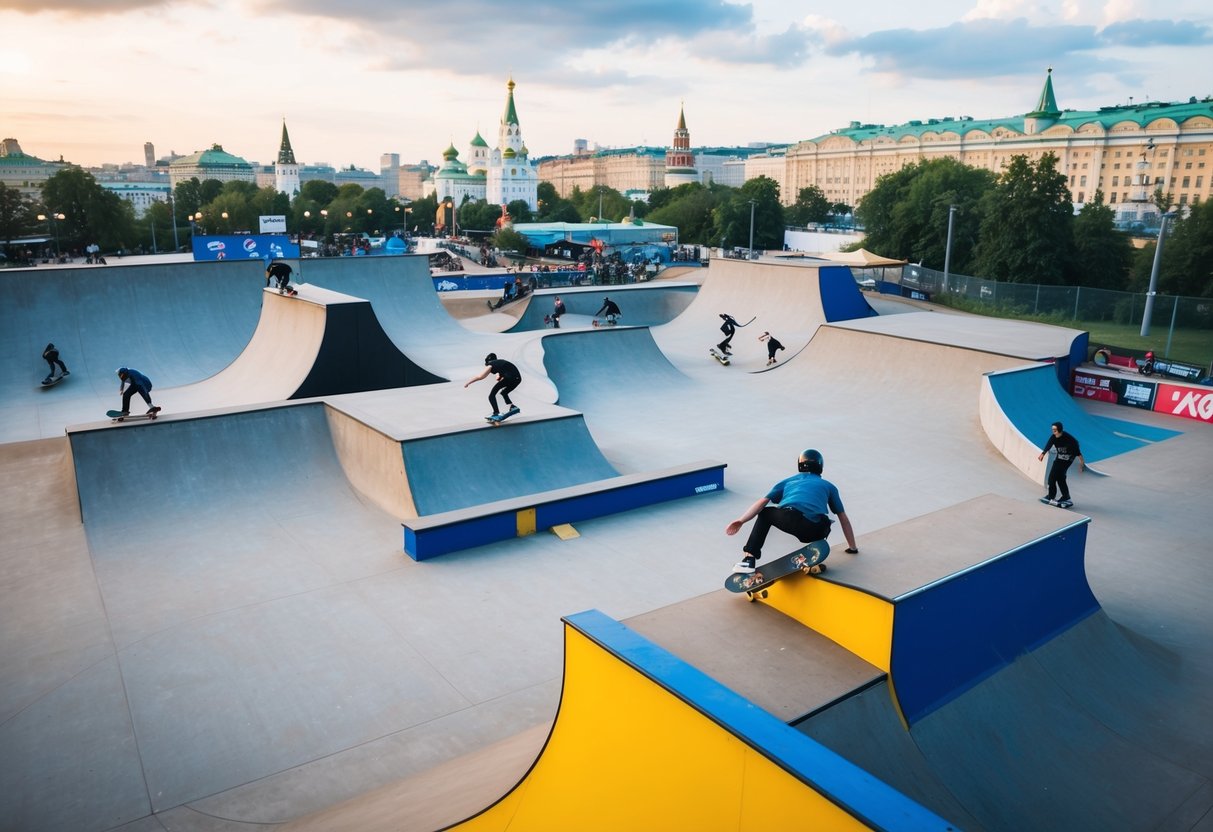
<point x="511" y="176"/>
<point x="286" y="169"/>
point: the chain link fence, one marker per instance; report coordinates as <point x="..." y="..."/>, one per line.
<point x="1073" y="303"/>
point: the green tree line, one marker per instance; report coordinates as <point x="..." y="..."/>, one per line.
<point x="1020" y="227"/>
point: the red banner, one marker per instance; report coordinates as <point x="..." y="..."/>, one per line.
<point x="1184" y="401"/>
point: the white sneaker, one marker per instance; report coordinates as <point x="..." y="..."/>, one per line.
<point x="745" y="566"/>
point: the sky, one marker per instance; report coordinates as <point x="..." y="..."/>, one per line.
<point x="92" y="80"/>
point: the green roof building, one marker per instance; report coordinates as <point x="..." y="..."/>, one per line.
<point x="215" y="163"/>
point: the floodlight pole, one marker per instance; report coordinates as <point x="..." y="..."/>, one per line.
<point x="947" y="251"/>
<point x="1149" y="310"/>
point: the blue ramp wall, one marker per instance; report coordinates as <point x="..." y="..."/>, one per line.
<point x="841" y="299"/>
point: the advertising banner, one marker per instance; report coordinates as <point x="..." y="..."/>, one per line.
<point x="1188" y="402"/>
<point x="243" y="247"/>
<point x="1124" y="391"/>
<point x="273" y="223"/>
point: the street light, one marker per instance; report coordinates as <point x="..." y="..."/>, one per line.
<point x="1149" y="310"/>
<point x="947" y="250"/>
<point x="51" y="225"/>
<point x="753" y="202"/>
<point x="172" y="210"/>
<point x="226" y="228"/>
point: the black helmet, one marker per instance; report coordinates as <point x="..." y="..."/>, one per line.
<point x="490" y="358"/>
<point x="810" y="461"/>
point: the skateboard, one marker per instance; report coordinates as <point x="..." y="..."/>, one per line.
<point x="52" y="382"/>
<point x="807" y="559"/>
<point x="1058" y="503"/>
<point x="497" y="418"/>
<point x="116" y="415"/>
<point x="719" y="356"/>
<point x="290" y="293"/>
<point x="598" y="323"/>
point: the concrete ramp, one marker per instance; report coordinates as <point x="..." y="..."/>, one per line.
<point x="1081" y="733"/>
<point x="788" y="300"/>
<point x="317" y="343"/>
<point x="1018" y="406"/>
<point x="609" y="362"/>
<point x="641" y="304"/>
<point x="177" y="323"/>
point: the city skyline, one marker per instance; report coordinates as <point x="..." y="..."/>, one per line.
<point x="92" y="80"/>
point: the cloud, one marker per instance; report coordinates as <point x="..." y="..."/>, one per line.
<point x="784" y="50"/>
<point x="1140" y="33"/>
<point x="79" y="8"/>
<point x="984" y="48"/>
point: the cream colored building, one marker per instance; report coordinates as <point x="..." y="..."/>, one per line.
<point x="26" y="174"/>
<point x="630" y="169"/>
<point x="1127" y="151"/>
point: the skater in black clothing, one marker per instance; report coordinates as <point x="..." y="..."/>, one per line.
<point x="610" y="309"/>
<point x="508" y="378"/>
<point x="280" y="272"/>
<point x="1067" y="450"/>
<point x="729" y="327"/>
<point x="51" y="356"/>
<point x="557" y="310"/>
<point x="772" y="346"/>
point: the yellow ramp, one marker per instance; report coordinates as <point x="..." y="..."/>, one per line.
<point x="645" y="741"/>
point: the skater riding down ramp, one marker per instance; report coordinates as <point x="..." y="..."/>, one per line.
<point x="788" y="300"/>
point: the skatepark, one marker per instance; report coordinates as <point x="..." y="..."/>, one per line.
<point x="211" y="621"/>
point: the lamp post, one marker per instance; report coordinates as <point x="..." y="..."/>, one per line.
<point x="50" y="224"/>
<point x="1149" y="310"/>
<point x="753" y="202"/>
<point x="226" y="228"/>
<point x="947" y="249"/>
<point x="172" y="212"/>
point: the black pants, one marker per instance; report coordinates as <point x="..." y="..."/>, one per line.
<point x="130" y="393"/>
<point x="1057" y="478"/>
<point x="723" y="346"/>
<point x="786" y="520"/>
<point x="53" y="362"/>
<point x="504" y="387"/>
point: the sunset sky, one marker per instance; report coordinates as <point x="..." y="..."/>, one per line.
<point x="92" y="80"/>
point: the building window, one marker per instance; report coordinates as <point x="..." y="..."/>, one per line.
<point x="1115" y="180"/>
<point x="1083" y="183"/>
<point x="1113" y="195"/>
<point x="1187" y="182"/>
<point x="1200" y="181"/>
<point x="1082" y="197"/>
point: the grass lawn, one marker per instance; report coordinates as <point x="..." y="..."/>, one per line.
<point x="1189" y="346"/>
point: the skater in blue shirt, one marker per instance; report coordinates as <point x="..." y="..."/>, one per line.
<point x="131" y="382"/>
<point x="804" y="503"/>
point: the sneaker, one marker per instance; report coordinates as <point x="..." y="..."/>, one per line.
<point x="152" y="411"/>
<point x="48" y="379"/>
<point x="1048" y="501"/>
<point x="745" y="566"/>
<point x="65" y="373"/>
<point x="125" y="413"/>
<point x="1064" y="504"/>
<point x="513" y="410"/>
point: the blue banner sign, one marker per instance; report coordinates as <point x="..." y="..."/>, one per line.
<point x="244" y="247"/>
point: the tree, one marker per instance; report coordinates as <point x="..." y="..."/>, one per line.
<point x="507" y="239"/>
<point x="1102" y="254"/>
<point x="690" y="209"/>
<point x="1187" y="254"/>
<point x="318" y="191"/>
<point x="811" y="206"/>
<point x="519" y="210"/>
<point x="1027" y="225"/>
<point x="90" y="213"/>
<point x="17" y="214"/>
<point x="731" y="219"/>
<point x="478" y="215"/>
<point x="906" y="213"/>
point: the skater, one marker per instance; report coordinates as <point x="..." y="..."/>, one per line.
<point x="772" y="346"/>
<point x="508" y="378"/>
<point x="134" y="382"/>
<point x="557" y="310"/>
<point x="280" y="272"/>
<point x="1067" y="451"/>
<point x="805" y="501"/>
<point x="51" y="356"/>
<point x="610" y="309"/>
<point x="729" y="326"/>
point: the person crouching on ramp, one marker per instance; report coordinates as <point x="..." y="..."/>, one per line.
<point x="508" y="378"/>
<point x="131" y="382"/>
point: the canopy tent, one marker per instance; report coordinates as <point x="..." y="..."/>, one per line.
<point x="863" y="259"/>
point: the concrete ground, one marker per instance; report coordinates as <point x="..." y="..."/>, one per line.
<point x="233" y="639"/>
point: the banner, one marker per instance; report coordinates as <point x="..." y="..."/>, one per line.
<point x="243" y="247"/>
<point x="1124" y="391"/>
<point x="1191" y="403"/>
<point x="273" y="223"/>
